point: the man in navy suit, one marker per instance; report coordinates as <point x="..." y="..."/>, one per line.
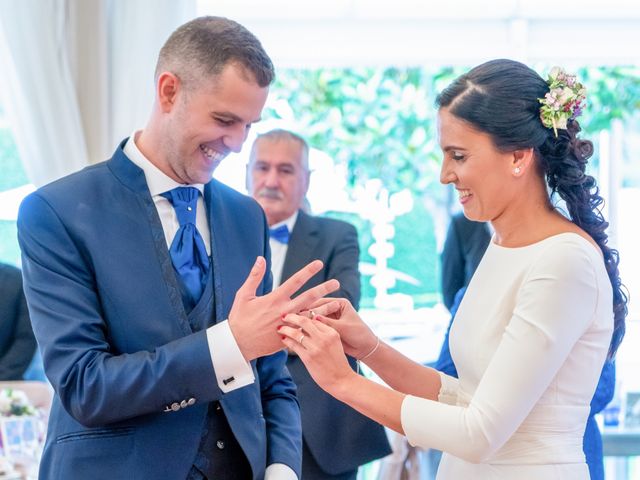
<point x="166" y="363"/>
<point x="17" y="343"/>
<point x="336" y="438"/>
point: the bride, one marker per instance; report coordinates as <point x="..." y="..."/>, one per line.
<point x="542" y="313"/>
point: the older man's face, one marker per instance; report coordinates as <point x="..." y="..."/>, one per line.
<point x="277" y="178"/>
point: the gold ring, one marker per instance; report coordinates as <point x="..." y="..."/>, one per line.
<point x="301" y="339"/>
<point x="313" y="314"/>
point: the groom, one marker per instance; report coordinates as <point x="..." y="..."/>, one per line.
<point x="166" y="362"/>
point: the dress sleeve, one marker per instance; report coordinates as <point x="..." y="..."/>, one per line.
<point x="554" y="307"/>
<point x="449" y="389"/>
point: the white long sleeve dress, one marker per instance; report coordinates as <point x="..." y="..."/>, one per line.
<point x="529" y="341"/>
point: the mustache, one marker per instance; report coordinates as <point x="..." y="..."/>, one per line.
<point x="271" y="193"/>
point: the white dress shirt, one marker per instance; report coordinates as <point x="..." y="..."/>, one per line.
<point x="279" y="250"/>
<point x="226" y="356"/>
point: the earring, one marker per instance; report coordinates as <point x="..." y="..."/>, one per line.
<point x="516" y="170"/>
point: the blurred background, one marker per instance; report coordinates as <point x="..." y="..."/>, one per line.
<point x="357" y="79"/>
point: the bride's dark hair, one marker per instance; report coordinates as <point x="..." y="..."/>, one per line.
<point x="500" y="98"/>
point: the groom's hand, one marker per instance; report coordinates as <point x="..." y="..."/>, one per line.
<point x="254" y="320"/>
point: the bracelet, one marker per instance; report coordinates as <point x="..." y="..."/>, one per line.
<point x="372" y="351"/>
<point x="367" y="355"/>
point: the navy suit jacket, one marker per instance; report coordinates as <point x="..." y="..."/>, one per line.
<point x="339" y="438"/>
<point x="116" y="344"/>
<point x="464" y="247"/>
<point x="17" y="343"/>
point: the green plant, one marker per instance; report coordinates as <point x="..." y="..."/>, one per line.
<point x="380" y="124"/>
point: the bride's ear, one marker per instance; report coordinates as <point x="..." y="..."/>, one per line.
<point x="522" y="161"/>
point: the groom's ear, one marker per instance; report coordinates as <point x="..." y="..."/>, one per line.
<point x="168" y="89"/>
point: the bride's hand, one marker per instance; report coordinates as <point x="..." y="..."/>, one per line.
<point x="319" y="348"/>
<point x="338" y="313"/>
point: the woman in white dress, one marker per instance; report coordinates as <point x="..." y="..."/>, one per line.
<point x="541" y="314"/>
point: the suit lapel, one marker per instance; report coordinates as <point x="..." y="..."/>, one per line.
<point x="222" y="246"/>
<point x="302" y="243"/>
<point x="133" y="178"/>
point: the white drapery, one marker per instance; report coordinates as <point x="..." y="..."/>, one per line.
<point x="38" y="92"/>
<point x="78" y="75"/>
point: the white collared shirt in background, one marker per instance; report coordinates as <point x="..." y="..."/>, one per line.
<point x="279" y="250"/>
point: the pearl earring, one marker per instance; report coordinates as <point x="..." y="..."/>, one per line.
<point x="516" y="170"/>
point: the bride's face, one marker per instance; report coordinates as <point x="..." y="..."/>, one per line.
<point x="480" y="173"/>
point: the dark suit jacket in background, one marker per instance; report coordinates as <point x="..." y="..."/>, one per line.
<point x="116" y="343"/>
<point x="463" y="249"/>
<point x="17" y="343"/>
<point x="339" y="438"/>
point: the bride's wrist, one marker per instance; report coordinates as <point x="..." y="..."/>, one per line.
<point x="371" y="348"/>
<point x="341" y="387"/>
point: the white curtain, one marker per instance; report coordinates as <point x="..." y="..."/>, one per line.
<point x="78" y="75"/>
<point x="138" y="30"/>
<point x="38" y="91"/>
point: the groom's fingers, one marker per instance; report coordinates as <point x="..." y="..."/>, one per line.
<point x="298" y="279"/>
<point x="248" y="289"/>
<point x="302" y="301"/>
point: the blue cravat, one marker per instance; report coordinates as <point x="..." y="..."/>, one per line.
<point x="188" y="254"/>
<point x="280" y="234"/>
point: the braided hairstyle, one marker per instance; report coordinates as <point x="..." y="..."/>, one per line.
<point x="500" y="98"/>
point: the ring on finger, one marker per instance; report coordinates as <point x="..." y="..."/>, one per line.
<point x="301" y="339"/>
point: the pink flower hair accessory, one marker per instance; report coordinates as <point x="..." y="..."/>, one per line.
<point x="564" y="101"/>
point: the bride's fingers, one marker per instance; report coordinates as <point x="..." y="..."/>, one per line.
<point x="325" y="324"/>
<point x="326" y="321"/>
<point x="293" y="346"/>
<point x="292" y="319"/>
<point x="302" y="322"/>
<point x="294" y="333"/>
<point x="328" y="308"/>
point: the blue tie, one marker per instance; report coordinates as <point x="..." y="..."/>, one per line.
<point x="188" y="254"/>
<point x="280" y="234"/>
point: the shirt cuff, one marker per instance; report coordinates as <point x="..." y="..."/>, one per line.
<point x="448" y="389"/>
<point x="279" y="471"/>
<point x="232" y="370"/>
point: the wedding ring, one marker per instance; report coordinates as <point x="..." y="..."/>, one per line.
<point x="312" y="314"/>
<point x="301" y="339"/>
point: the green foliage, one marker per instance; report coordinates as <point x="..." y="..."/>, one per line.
<point x="415" y="245"/>
<point x="612" y="93"/>
<point x="380" y="124"/>
<point x="365" y="239"/>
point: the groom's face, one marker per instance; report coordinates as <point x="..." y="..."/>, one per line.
<point x="208" y="120"/>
